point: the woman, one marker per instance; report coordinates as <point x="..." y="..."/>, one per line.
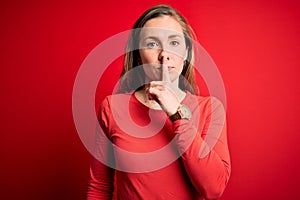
<point x="165" y="142"/>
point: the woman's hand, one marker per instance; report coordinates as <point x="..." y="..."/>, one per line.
<point x="163" y="92"/>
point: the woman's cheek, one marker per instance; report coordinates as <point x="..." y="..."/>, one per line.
<point x="148" y="56"/>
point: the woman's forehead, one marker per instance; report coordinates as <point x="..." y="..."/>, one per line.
<point x="156" y="32"/>
<point x="164" y="22"/>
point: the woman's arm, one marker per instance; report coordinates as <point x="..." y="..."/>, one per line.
<point x="101" y="183"/>
<point x="204" y="150"/>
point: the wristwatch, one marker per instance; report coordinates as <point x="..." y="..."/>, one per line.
<point x="183" y="112"/>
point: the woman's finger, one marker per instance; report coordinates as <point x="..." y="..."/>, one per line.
<point x="157" y="84"/>
<point x="165" y="70"/>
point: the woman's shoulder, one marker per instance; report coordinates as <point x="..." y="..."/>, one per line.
<point x="117" y="99"/>
<point x="202" y="101"/>
<point x="117" y="96"/>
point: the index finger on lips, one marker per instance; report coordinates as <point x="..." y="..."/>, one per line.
<point x="165" y="70"/>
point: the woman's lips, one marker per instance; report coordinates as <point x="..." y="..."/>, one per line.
<point x="169" y="67"/>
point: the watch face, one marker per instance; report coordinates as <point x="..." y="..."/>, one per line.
<point x="186" y="113"/>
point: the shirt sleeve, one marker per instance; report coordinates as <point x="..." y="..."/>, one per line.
<point x="204" y="149"/>
<point x="101" y="179"/>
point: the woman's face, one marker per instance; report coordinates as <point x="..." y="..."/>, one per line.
<point x="162" y="37"/>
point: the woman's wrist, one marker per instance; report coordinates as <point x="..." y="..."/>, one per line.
<point x="182" y="112"/>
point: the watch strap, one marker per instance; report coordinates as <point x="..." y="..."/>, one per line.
<point x="176" y="115"/>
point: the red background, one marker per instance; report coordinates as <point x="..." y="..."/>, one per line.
<point x="255" y="44"/>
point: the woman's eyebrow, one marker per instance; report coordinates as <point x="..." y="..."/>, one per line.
<point x="156" y="38"/>
<point x="150" y="37"/>
<point x="176" y="36"/>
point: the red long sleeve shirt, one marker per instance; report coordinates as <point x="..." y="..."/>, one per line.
<point x="152" y="158"/>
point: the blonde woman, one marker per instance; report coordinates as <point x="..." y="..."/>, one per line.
<point x="158" y="85"/>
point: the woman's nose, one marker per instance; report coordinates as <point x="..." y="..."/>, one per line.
<point x="163" y="54"/>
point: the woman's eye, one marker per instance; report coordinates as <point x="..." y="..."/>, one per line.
<point x="174" y="43"/>
<point x="152" y="44"/>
